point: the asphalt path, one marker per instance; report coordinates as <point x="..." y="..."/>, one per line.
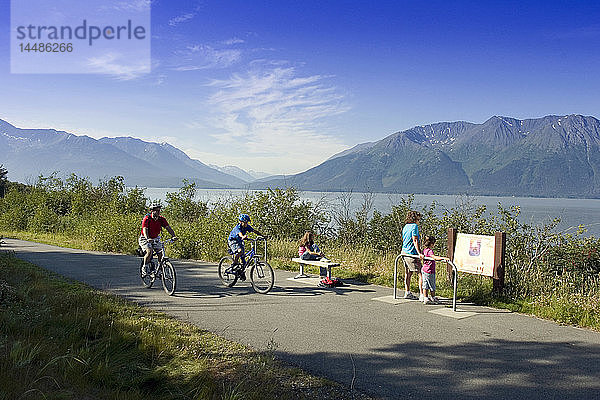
<point x="357" y="335"/>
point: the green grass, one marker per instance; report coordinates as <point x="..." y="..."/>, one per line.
<point x="56" y="239"/>
<point x="64" y="340"/>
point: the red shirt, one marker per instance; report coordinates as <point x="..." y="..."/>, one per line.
<point x="154" y="226"/>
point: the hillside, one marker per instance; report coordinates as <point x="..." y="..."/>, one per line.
<point x="551" y="156"/>
<point x="27" y="153"/>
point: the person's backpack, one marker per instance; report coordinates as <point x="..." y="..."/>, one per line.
<point x="330" y="283"/>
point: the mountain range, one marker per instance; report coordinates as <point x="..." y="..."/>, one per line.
<point x="552" y="156"/>
<point x="27" y="153"/>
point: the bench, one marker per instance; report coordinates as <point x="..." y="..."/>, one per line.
<point x="322" y="264"/>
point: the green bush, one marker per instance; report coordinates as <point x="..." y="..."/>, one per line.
<point x="44" y="220"/>
<point x="181" y="205"/>
<point x="115" y="232"/>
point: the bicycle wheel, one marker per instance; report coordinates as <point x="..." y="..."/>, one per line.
<point x="168" y="276"/>
<point x="226" y="272"/>
<point x="147" y="279"/>
<point x="262" y="276"/>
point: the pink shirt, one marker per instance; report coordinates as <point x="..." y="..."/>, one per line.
<point x="301" y="250"/>
<point x="428" y="266"/>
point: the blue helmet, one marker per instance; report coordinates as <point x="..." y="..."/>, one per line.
<point x="244" y="218"/>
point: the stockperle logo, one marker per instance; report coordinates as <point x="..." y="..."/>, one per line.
<point x="105" y="37"/>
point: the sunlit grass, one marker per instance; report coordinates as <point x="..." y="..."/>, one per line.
<point x="56" y="239"/>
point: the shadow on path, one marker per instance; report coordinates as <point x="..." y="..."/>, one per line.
<point x="491" y="369"/>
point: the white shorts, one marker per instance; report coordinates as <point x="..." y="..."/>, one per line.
<point x="154" y="244"/>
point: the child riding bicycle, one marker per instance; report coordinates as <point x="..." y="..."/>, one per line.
<point x="235" y="241"/>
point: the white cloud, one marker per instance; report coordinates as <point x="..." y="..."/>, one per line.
<point x="233" y="41"/>
<point x="281" y="121"/>
<point x="185" y="17"/>
<point x="181" y="18"/>
<point x="119" y="66"/>
<point x="199" y="57"/>
<point x="129" y="6"/>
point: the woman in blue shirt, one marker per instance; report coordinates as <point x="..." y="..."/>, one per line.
<point x="410" y="245"/>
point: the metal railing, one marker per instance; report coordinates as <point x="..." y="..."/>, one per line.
<point x="454" y="273"/>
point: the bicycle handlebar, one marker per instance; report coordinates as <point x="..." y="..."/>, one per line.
<point x="167" y="241"/>
<point x="256" y="238"/>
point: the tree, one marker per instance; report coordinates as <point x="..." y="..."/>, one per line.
<point x="3" y="180"/>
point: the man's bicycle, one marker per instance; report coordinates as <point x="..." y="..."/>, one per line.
<point x="261" y="273"/>
<point x="164" y="271"/>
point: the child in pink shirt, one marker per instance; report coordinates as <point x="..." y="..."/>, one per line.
<point x="428" y="271"/>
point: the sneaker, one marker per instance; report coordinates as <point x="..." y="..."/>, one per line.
<point x="421" y="297"/>
<point x="146" y="269"/>
<point x="242" y="276"/>
<point x="324" y="259"/>
<point x="427" y="300"/>
<point x="410" y="296"/>
<point x="436" y="300"/>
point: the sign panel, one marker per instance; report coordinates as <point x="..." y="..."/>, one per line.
<point x="475" y="254"/>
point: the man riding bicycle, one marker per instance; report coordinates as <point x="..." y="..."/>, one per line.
<point x="236" y="239"/>
<point x="149" y="240"/>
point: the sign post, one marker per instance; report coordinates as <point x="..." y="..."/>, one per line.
<point x="498" y="284"/>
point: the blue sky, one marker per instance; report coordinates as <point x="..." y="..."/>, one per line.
<point x="279" y="86"/>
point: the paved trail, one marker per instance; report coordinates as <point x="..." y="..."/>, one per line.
<point x="403" y="350"/>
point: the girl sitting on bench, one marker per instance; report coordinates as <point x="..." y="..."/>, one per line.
<point x="308" y="250"/>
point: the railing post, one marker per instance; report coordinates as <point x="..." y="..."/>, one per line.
<point x="396" y="276"/>
<point x="450" y="252"/>
<point x="454" y="286"/>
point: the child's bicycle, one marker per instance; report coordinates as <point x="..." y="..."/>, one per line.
<point x="165" y="271"/>
<point x="261" y="273"/>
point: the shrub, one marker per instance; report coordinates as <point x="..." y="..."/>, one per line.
<point x="44" y="220"/>
<point x="181" y="205"/>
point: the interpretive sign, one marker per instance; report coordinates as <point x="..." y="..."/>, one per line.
<point x="475" y="254"/>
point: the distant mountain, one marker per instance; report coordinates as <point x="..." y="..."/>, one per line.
<point x="552" y="156"/>
<point x="234" y="171"/>
<point x="354" y="149"/>
<point x="246" y="176"/>
<point x="26" y="153"/>
<point x="258" y="174"/>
